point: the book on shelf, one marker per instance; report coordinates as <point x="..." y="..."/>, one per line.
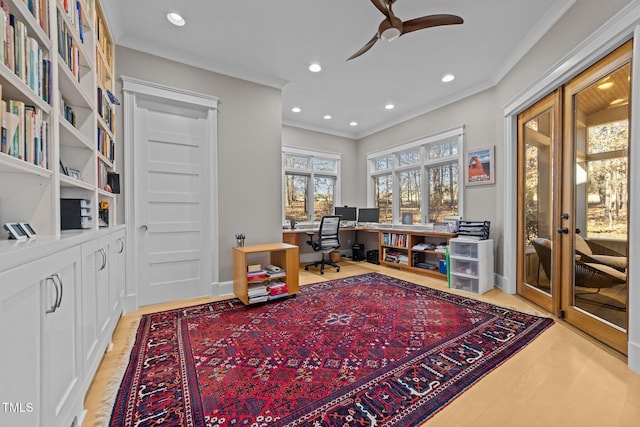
<point x="257" y="299"/>
<point x="274" y="271"/>
<point x="256" y="275"/>
<point x="257" y="289"/>
<point x="277" y="287"/>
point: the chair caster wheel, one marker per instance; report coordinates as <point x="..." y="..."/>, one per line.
<point x="306" y="269"/>
<point x="338" y="270"/>
<point x="322" y="272"/>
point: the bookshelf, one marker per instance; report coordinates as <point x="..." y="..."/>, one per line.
<point x="56" y="56"/>
<point x="416" y="251"/>
<point x="283" y="255"/>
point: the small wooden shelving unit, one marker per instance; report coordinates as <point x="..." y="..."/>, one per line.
<point x="283" y="255"/>
<point x="400" y="249"/>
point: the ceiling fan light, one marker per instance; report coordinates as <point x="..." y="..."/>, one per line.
<point x="390" y="34"/>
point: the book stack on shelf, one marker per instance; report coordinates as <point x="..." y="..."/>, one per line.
<point x="255" y="273"/>
<point x="257" y="292"/>
<point x="396" y="256"/>
<point x="277" y="289"/>
<point x="274" y="272"/>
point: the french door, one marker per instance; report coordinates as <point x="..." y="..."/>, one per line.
<point x="573" y="193"/>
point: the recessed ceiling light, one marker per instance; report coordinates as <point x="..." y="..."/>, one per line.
<point x="389" y="107"/>
<point x="617" y="101"/>
<point x="315" y="68"/>
<point x="606" y="85"/>
<point x="448" y="78"/>
<point x="175" y="19"/>
<point x="327" y="117"/>
<point x="353" y="124"/>
<point x="296" y="109"/>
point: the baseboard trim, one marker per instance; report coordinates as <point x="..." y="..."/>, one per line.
<point x="503" y="284"/>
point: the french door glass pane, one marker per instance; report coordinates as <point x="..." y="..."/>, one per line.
<point x="383" y="194"/>
<point x="323" y="197"/>
<point x="601" y="197"/>
<point x="443" y="191"/>
<point x="410" y="196"/>
<point x="295" y="204"/>
<point x="538" y="200"/>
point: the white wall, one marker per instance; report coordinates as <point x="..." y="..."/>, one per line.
<point x="249" y="146"/>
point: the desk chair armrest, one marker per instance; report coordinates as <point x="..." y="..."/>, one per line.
<point x="310" y="235"/>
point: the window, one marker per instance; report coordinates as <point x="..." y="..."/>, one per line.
<point x="418" y="182"/>
<point x="311" y="184"/>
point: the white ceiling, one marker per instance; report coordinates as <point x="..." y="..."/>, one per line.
<point x="273" y="42"/>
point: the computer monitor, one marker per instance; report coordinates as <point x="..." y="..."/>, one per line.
<point x="346" y="212"/>
<point x="369" y="215"/>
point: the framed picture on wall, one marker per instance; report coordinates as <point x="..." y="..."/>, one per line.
<point x="480" y="166"/>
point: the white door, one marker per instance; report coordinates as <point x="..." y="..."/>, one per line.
<point x="171" y="155"/>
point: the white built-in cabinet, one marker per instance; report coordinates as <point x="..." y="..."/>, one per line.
<point x="471" y="265"/>
<point x="61" y="294"/>
<point x="60" y="300"/>
<point x="40" y="328"/>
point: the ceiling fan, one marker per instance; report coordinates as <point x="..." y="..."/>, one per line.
<point x="392" y="27"/>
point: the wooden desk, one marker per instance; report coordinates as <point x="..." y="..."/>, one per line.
<point x="293" y="237"/>
<point x="281" y="254"/>
<point x="396" y="246"/>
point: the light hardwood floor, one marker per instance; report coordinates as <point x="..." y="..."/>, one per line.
<point x="563" y="378"/>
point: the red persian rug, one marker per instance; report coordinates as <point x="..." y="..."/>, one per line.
<point x="368" y="350"/>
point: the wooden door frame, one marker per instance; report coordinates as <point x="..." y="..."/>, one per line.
<point x="549" y="303"/>
<point x="132" y="89"/>
<point x="616" y="59"/>
<point x="615" y="31"/>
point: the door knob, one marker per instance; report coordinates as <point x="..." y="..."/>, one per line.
<point x="564" y="216"/>
<point x="563" y="230"/>
<point x="144" y="228"/>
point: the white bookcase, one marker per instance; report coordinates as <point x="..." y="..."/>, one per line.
<point x="471" y="265"/>
<point x="61" y="40"/>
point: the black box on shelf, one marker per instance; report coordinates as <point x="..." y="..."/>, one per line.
<point x="373" y="256"/>
<point x="358" y="251"/>
<point x="75" y="214"/>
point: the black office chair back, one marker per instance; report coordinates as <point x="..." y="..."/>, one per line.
<point x="328" y="235"/>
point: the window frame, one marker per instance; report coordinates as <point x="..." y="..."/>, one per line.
<point x="312" y="175"/>
<point x="422" y="144"/>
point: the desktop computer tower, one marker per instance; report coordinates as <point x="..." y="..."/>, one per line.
<point x="358" y="251"/>
<point x="373" y="256"/>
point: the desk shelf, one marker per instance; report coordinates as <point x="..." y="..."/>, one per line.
<point x="414" y="250"/>
<point x="283" y="255"/>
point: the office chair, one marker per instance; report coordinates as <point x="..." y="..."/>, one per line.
<point x="327" y="241"/>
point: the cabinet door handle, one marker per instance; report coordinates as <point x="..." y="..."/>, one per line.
<point x="57" y="276"/>
<point x="55" y="304"/>
<point x="121" y="245"/>
<point x="104" y="259"/>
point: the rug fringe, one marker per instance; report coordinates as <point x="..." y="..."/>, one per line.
<point x="111" y="391"/>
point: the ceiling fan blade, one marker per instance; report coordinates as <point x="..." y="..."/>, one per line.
<point x="381" y="5"/>
<point x="365" y="48"/>
<point x="430" y="21"/>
